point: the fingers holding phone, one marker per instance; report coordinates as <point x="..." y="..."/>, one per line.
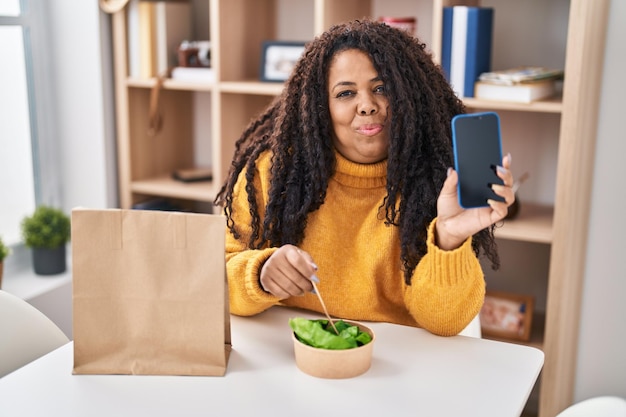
<point x="504" y="190"/>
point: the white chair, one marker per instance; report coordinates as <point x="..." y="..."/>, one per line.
<point x="25" y="333"/>
<point x="473" y="328"/>
<point x="605" y="406"/>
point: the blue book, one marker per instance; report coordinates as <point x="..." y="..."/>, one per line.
<point x="466" y="46"/>
<point x="446" y="41"/>
<point x="478" y="49"/>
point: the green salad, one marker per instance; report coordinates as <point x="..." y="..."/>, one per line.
<point x="320" y="334"/>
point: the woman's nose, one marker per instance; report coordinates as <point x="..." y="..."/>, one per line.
<point x="367" y="107"/>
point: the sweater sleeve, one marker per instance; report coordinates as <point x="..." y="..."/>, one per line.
<point x="243" y="268"/>
<point x="243" y="265"/>
<point x="447" y="289"/>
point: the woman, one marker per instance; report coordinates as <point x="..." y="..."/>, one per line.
<point x="345" y="180"/>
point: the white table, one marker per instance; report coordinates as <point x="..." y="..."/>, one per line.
<point x="413" y="373"/>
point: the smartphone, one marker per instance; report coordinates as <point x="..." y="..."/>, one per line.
<point x="477" y="152"/>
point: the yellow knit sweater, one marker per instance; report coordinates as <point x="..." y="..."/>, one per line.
<point x="359" y="260"/>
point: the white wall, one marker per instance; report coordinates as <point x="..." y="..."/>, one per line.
<point x="81" y="115"/>
<point x="84" y="91"/>
<point x="601" y="365"/>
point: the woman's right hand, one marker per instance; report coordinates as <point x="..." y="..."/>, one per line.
<point x="288" y="272"/>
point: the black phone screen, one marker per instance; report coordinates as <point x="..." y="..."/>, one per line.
<point x="477" y="152"/>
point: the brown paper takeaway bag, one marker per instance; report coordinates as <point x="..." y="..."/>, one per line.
<point x="149" y="293"/>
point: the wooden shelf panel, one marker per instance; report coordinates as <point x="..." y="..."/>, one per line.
<point x="532" y="224"/>
<point x="238" y="94"/>
<point x="237" y="87"/>
<point x="252" y="87"/>
<point x="167" y="187"/>
<point x="552" y="105"/>
<point x="170" y="84"/>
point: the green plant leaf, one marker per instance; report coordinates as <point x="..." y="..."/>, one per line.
<point x="4" y="250"/>
<point x="46" y="228"/>
<point x="320" y="334"/>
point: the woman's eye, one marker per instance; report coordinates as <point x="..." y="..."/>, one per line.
<point x="346" y="93"/>
<point x="380" y="89"/>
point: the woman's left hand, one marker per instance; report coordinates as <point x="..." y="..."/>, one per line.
<point x="455" y="224"/>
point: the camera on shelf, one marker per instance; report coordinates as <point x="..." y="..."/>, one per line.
<point x="194" y="54"/>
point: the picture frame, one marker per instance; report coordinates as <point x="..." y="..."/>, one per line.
<point x="507" y="315"/>
<point x="278" y="59"/>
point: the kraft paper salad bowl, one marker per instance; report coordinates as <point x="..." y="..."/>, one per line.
<point x="336" y="362"/>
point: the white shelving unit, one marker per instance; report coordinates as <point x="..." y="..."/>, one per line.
<point x="555" y="203"/>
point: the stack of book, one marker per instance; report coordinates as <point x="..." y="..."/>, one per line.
<point x="155" y="30"/>
<point x="519" y="85"/>
<point x="466" y="43"/>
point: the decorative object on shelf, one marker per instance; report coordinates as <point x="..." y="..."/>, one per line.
<point x="194" y="62"/>
<point x="194" y="54"/>
<point x="466" y="44"/>
<point x="278" y="59"/>
<point x="507" y="315"/>
<point x="404" y="23"/>
<point x="46" y="232"/>
<point x="4" y="252"/>
<point x="155" y="118"/>
<point x="515" y="207"/>
<point x="112" y="6"/>
<point x="193" y="174"/>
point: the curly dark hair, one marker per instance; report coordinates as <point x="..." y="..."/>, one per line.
<point x="296" y="127"/>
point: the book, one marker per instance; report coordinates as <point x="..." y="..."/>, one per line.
<point x="446" y="41"/>
<point x="147" y="39"/>
<point x="132" y="22"/>
<point x="173" y="26"/>
<point x="521" y="75"/>
<point x="518" y="93"/>
<point x="466" y="46"/>
<point x="194" y="74"/>
<point x="193" y="174"/>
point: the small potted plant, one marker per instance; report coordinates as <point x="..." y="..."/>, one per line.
<point x="46" y="232"/>
<point x="4" y="252"/>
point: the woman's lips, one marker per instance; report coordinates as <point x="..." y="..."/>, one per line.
<point x="370" y="130"/>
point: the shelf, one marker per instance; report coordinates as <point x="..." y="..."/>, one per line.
<point x="574" y="26"/>
<point x="536" y="333"/>
<point x="252" y="87"/>
<point x="166" y="187"/>
<point x="552" y="105"/>
<point x="532" y="224"/>
<point x="170" y="84"/>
